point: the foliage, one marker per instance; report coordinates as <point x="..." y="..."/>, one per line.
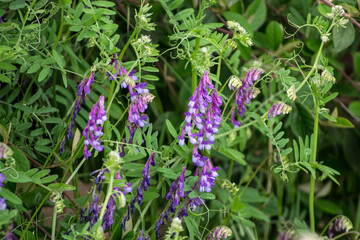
<point x="179" y="119"/>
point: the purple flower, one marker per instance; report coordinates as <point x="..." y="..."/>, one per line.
<point x="158" y="224"/>
<point x="279" y="108"/>
<point x="244" y="92"/>
<point x="205" y="115"/>
<point x="108" y="218"/>
<point x="176" y="191"/>
<point x="2" y="179"/>
<point x="137" y="107"/>
<point x="94" y="211"/>
<point x="83" y="89"/>
<point x="141" y="237"/>
<point x="9" y="234"/>
<point x="220" y="232"/>
<point x="93" y="130"/>
<point x="2" y="204"/>
<point x="208" y="175"/>
<point x="145" y="182"/>
<point x="119" y="72"/>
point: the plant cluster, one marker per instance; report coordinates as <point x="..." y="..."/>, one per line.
<point x="175" y="120"/>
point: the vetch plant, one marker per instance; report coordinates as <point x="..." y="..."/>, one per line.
<point x="179" y="119"/>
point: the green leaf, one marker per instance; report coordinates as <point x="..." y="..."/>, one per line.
<point x="256" y="13"/>
<point x="23" y="108"/>
<point x="324" y="9"/>
<point x="342" y="122"/>
<point x="175" y="4"/>
<point x="46" y="110"/>
<point x="49" y="179"/>
<point x="184" y="14"/>
<point x="7" y="66"/>
<point x="9" y="196"/>
<point x="354" y="107"/>
<point x="17" y="4"/>
<point x="343" y="37"/>
<point x="4" y="78"/>
<point x="171" y="128"/>
<point x="103" y="4"/>
<point x="61" y="187"/>
<point x="59" y="60"/>
<point x="150" y="77"/>
<point x="150" y="69"/>
<point x="206" y="195"/>
<point x="34" y="68"/>
<point x="274" y="34"/>
<point x="34" y="97"/>
<point x="22" y="163"/>
<point x="234" y="155"/>
<point x="43" y="74"/>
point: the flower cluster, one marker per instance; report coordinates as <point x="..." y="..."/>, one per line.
<point x="139" y="95"/>
<point x="93" y="129"/>
<point x="208" y="175"/>
<point x="5" y="151"/>
<point x="2" y="200"/>
<point x="141" y="237"/>
<point x="205" y="114"/>
<point x="145" y="182"/>
<point x="244" y="93"/>
<point x="341" y="223"/>
<point x="279" y="108"/>
<point x="337" y="13"/>
<point x="240" y="33"/>
<point x="176" y="191"/>
<point x="119" y="192"/>
<point x="83" y="89"/>
<point x="220" y="232"/>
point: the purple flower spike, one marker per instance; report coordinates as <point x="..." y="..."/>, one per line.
<point x="2" y="179"/>
<point x="2" y="204"/>
<point x="141" y="237"/>
<point x="279" y="108"/>
<point x="176" y="191"/>
<point x="93" y="130"/>
<point x="244" y="92"/>
<point x="208" y="175"/>
<point x="204" y="115"/>
<point x="83" y="89"/>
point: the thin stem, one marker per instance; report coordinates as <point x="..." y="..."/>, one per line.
<point x="61" y="28"/>
<point x="194" y="72"/>
<point x="108" y="195"/>
<point x="313" y="160"/>
<point x="346" y="233"/>
<point x="34" y="215"/>
<point x="53" y="226"/>
<point x="218" y="70"/>
<point x="227" y="103"/>
<point x="75" y="171"/>
<point x="252" y="177"/>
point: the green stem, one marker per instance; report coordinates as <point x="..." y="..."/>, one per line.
<point x="194" y="72"/>
<point x="53" y="227"/>
<point x="218" y="70"/>
<point x="34" y="215"/>
<point x="231" y="169"/>
<point x="346" y="233"/>
<point x="313" y="160"/>
<point x="314" y="67"/>
<point x="25" y="20"/>
<point x="75" y="171"/>
<point x="108" y="195"/>
<point x="252" y="177"/>
<point x="61" y="28"/>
